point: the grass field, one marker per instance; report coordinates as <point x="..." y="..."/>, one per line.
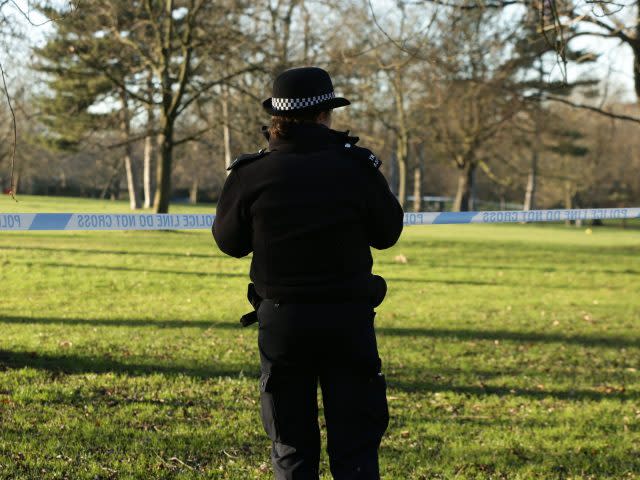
<point x="511" y="352"/>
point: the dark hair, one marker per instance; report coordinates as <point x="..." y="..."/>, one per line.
<point x="282" y="125"/>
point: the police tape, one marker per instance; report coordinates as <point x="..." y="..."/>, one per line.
<point x="104" y="221"/>
<point x="519" y="216"/>
<point x="132" y="221"/>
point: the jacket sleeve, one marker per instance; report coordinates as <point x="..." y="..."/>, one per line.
<point x="232" y="225"/>
<point x="384" y="217"/>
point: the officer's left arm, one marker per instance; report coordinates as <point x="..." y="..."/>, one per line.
<point x="385" y="216"/>
<point x="232" y="224"/>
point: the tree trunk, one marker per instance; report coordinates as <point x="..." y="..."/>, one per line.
<point x="114" y="188"/>
<point x="226" y="134"/>
<point x="148" y="184"/>
<point x="635" y="48"/>
<point x="402" y="153"/>
<point x="532" y="178"/>
<point x="568" y="198"/>
<point x="473" y="191"/>
<point x="134" y="199"/>
<point x="402" y="145"/>
<point x="465" y="185"/>
<point x="163" y="168"/>
<point x="148" y="167"/>
<point x="165" y="138"/>
<point x="306" y="16"/>
<point x="393" y="173"/>
<point x="402" y="179"/>
<point x="16" y="182"/>
<point x="417" y="189"/>
<point x="132" y="178"/>
<point x="529" y="196"/>
<point x="115" y="174"/>
<point x="193" y="192"/>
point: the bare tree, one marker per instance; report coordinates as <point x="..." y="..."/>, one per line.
<point x="178" y="41"/>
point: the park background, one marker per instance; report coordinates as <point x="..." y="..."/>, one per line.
<point x="511" y="351"/>
<point x="475" y="106"/>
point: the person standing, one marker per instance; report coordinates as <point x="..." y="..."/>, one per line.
<point x="309" y="208"/>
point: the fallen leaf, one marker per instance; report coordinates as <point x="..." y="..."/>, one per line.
<point x="400" y="259"/>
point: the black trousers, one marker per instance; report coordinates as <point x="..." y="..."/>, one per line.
<point x="302" y="345"/>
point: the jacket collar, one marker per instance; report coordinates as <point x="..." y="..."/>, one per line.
<point x="308" y="137"/>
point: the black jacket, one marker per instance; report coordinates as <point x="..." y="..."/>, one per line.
<point x="309" y="209"/>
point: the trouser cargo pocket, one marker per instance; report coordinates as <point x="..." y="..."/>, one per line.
<point x="377" y="406"/>
<point x="267" y="406"/>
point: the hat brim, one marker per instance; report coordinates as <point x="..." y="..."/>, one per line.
<point x="326" y="105"/>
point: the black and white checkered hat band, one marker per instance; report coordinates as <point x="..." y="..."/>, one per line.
<point x="297" y="103"/>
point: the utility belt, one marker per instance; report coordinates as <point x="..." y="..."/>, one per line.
<point x="377" y="290"/>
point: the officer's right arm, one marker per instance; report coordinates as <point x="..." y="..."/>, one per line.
<point x="232" y="225"/>
<point x="384" y="218"/>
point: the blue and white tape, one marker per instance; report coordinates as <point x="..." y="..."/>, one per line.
<point x="518" y="216"/>
<point x="99" y="221"/>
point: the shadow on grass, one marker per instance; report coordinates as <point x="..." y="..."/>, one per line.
<point x="424" y="386"/>
<point x="503" y="284"/>
<point x="116" y="252"/>
<point x="123" y="322"/>
<point x="630" y="341"/>
<point x="572" y="269"/>
<point x="71" y="364"/>
<point x="525" y="337"/>
<point x="550" y="252"/>
<point x="123" y="268"/>
<point x="448" y="282"/>
<point x="410" y="382"/>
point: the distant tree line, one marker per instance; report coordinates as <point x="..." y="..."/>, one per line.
<point x="468" y="100"/>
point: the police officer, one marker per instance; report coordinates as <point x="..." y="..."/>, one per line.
<point x="309" y="208"/>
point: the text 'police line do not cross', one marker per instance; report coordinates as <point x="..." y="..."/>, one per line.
<point x="95" y="221"/>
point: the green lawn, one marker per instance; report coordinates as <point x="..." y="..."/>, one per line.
<point x="511" y="352"/>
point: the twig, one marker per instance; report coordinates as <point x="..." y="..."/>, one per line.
<point x="27" y="16"/>
<point x="177" y="460"/>
<point x="412" y="55"/>
<point x="15" y="133"/>
<point x="229" y="455"/>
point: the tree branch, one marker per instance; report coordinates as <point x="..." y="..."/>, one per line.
<point x="464" y="5"/>
<point x="208" y="86"/>
<point x="193" y="136"/>
<point x="72" y="10"/>
<point x="613" y="31"/>
<point x="600" y="111"/>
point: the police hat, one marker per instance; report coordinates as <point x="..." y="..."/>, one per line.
<point x="302" y="89"/>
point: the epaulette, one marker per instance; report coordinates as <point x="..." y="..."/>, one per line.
<point x="247" y="157"/>
<point x="363" y="154"/>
